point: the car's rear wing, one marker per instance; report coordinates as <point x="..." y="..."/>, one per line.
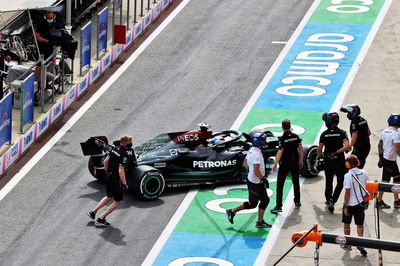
<point x="94" y="145"/>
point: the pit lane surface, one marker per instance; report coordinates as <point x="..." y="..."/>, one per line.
<point x="203" y="67"/>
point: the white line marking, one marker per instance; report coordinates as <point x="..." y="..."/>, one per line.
<point x="32" y="162"/>
<point x="278" y="42"/>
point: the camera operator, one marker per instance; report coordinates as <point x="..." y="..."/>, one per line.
<point x="43" y="30"/>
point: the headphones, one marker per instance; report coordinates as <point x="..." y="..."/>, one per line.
<point x="45" y="16"/>
<point x="348" y="164"/>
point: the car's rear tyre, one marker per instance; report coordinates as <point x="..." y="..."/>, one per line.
<point x="98" y="174"/>
<point x="309" y="161"/>
<point x="146" y="182"/>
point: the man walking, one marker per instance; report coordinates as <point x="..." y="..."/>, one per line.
<point x="354" y="204"/>
<point x="359" y="132"/>
<point x="115" y="165"/>
<point x="334" y="142"/>
<point x="256" y="182"/>
<point x="290" y="159"/>
<point x="389" y="149"/>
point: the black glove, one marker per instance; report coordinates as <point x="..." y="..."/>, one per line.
<point x="265" y="182"/>
<point x="125" y="187"/>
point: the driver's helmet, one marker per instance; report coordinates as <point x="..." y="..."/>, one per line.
<point x="217" y="140"/>
<point x="258" y="139"/>
<point x="204" y="126"/>
<point x="352" y="110"/>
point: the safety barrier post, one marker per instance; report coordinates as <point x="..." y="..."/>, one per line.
<point x="148" y="4"/>
<point x="42" y="82"/>
<point x="127" y="15"/>
<point x="134" y="12"/>
<point x="98" y="33"/>
<point x="21" y="123"/>
<point x="141" y="8"/>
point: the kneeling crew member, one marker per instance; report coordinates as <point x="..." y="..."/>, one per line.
<point x="256" y="182"/>
<point x="354" y="204"/>
<point x="290" y="159"/>
<point x="336" y="143"/>
<point x="359" y="132"/>
<point x="115" y="165"/>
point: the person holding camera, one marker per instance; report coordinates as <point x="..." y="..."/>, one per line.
<point x="115" y="166"/>
<point x="290" y="159"/>
<point x="257" y="184"/>
<point x="354" y="204"/>
<point x="359" y="132"/>
<point x="389" y="149"/>
<point x="333" y="142"/>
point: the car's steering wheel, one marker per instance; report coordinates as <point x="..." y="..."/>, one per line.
<point x="233" y="134"/>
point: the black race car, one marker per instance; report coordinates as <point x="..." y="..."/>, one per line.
<point x="188" y="158"/>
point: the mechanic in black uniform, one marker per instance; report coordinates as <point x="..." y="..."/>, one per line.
<point x="290" y="159"/>
<point x="4" y="57"/>
<point x="115" y="164"/>
<point x="359" y="132"/>
<point x="334" y="143"/>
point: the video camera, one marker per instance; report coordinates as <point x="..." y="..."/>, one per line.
<point x="62" y="38"/>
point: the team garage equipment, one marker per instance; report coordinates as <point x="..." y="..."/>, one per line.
<point x="188" y="158"/>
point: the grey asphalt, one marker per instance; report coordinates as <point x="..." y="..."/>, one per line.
<point x="376" y="90"/>
<point x="202" y="68"/>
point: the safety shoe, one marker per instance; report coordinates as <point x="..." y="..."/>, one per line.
<point x="263" y="224"/>
<point x="331" y="206"/>
<point x="362" y="251"/>
<point x="91" y="214"/>
<point x="382" y="205"/>
<point x="230" y="215"/>
<point x="297" y="205"/>
<point x="276" y="210"/>
<point x="396" y="204"/>
<point x="345" y="247"/>
<point x="101" y="222"/>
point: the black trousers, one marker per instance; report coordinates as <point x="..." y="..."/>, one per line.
<point x="334" y="167"/>
<point x="285" y="167"/>
<point x="361" y="152"/>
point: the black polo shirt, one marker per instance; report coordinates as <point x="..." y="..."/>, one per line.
<point x="333" y="138"/>
<point x="126" y="159"/>
<point x="360" y="126"/>
<point x="289" y="143"/>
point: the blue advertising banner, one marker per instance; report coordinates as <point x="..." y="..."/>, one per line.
<point x="86" y="44"/>
<point x="102" y="18"/>
<point x="6" y="118"/>
<point x="28" y="91"/>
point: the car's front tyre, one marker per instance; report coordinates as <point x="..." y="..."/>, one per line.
<point x="146" y="182"/>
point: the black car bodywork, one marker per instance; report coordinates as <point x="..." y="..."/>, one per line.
<point x="171" y="160"/>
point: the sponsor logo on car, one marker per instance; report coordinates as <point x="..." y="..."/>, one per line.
<point x="188" y="137"/>
<point x="159" y="165"/>
<point x="211" y="164"/>
<point x="341" y="240"/>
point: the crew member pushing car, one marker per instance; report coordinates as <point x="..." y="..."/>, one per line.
<point x="115" y="164"/>
<point x="334" y="143"/>
<point x="359" y="132"/>
<point x="256" y="182"/>
<point x="290" y="159"/>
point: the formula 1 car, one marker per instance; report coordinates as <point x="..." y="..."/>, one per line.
<point x="188" y="158"/>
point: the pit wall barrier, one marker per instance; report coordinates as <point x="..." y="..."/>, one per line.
<point x="23" y="142"/>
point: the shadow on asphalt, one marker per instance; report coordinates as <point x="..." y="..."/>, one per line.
<point x="110" y="234"/>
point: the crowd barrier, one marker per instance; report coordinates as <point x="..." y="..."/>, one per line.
<point x="23" y="142"/>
